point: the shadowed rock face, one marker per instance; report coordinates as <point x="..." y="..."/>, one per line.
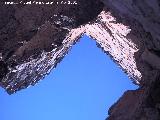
<point x="34" y="38"/>
<point x="142" y="18"/>
<point x="29" y="31"/>
<point x="21" y="24"/>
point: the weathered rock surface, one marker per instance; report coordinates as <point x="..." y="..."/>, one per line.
<point x="34" y="38"/>
<point x="142" y="18"/>
<point x="33" y="42"/>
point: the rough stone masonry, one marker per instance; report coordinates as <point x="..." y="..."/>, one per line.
<point x="35" y="37"/>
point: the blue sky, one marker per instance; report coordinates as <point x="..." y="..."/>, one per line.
<point x="82" y="87"/>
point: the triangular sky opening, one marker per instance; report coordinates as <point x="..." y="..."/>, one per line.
<point x="82" y="87"/>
